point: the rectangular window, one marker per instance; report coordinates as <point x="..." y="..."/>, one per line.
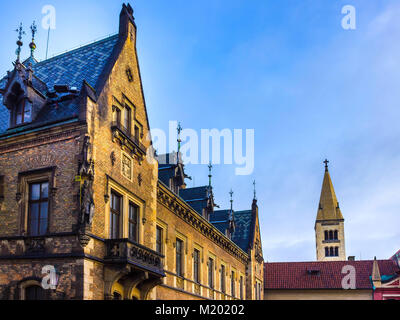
<point x="127" y="119"/>
<point x="223" y="289"/>
<point x="233" y="293"/>
<point x="116" y="115"/>
<point x="211" y="273"/>
<point x="137" y="133"/>
<point x="133" y="222"/>
<point x="196" y="265"/>
<point x="38" y="208"/>
<point x="159" y="241"/>
<point x="179" y="257"/>
<point x="115" y="214"/>
<point x="241" y="288"/>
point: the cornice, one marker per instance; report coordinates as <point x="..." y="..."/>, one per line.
<point x="181" y="209"/>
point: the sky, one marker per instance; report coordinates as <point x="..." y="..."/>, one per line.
<point x="287" y="69"/>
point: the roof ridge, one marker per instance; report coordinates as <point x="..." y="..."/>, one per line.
<point x="79" y="47"/>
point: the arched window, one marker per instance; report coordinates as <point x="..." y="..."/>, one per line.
<point x="331" y="252"/>
<point x="330" y="235"/>
<point x="326" y="252"/>
<point x="336" y="235"/>
<point x="336" y="251"/>
<point x="326" y="235"/>
<point x="34" y="292"/>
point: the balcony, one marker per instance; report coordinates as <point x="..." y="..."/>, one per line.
<point x="124" y="251"/>
<point x="125" y="137"/>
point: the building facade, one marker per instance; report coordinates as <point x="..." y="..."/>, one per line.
<point x="87" y="209"/>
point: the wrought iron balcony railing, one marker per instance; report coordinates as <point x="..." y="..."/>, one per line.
<point x="125" y="251"/>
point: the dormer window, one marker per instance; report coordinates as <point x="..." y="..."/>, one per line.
<point x="23" y="112"/>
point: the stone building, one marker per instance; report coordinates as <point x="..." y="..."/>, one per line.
<point x="329" y="224"/>
<point x="86" y="212"/>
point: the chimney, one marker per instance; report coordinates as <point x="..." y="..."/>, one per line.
<point x="126" y="20"/>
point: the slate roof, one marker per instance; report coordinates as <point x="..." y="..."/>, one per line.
<point x="220" y="219"/>
<point x="197" y="197"/>
<point x="295" y="275"/>
<point x="70" y="68"/>
<point x="244" y="229"/>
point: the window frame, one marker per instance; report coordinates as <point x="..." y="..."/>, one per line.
<point x="132" y="222"/>
<point x="40" y="201"/>
<point x="210" y="272"/>
<point x="179" y="257"/>
<point x="115" y="194"/>
<point x="223" y="278"/>
<point x="160" y="242"/>
<point x="196" y="265"/>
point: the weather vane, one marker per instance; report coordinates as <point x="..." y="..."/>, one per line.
<point x="255" y="191"/>
<point x="20" y="32"/>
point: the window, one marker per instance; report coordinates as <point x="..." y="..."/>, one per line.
<point x="196" y="265"/>
<point x="211" y="273"/>
<point x="326" y="252"/>
<point x="23" y="112"/>
<point x="326" y="236"/>
<point x="38" y="208"/>
<point x="331" y="253"/>
<point x="159" y="241"/>
<point x="336" y="235"/>
<point x="137" y="133"/>
<point x="34" y="293"/>
<point x="336" y="251"/>
<point x="233" y="293"/>
<point x="115" y="214"/>
<point x="179" y="257"/>
<point x="330" y="235"/>
<point x="133" y="222"/>
<point x="116" y="115"/>
<point x="127" y="119"/>
<point x="241" y="287"/>
<point x="222" y="280"/>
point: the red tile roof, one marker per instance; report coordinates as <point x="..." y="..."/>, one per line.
<point x="295" y="275"/>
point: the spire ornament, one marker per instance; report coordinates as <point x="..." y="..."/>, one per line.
<point x="231" y="194"/>
<point x="255" y="191"/>
<point x="32" y="45"/>
<point x="209" y="174"/>
<point x="326" y="164"/>
<point x="20" y="32"/>
<point x="179" y="130"/>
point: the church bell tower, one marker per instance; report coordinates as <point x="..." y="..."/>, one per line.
<point x="329" y="225"/>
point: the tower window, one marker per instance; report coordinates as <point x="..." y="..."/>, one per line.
<point x="336" y="251"/>
<point x="326" y="252"/>
<point x="336" y="235"/>
<point x="326" y="236"/>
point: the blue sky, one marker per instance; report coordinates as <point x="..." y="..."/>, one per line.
<point x="287" y="69"/>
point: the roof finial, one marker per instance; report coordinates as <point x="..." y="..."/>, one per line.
<point x="231" y="193"/>
<point x="209" y="174"/>
<point x="255" y="191"/>
<point x="326" y="165"/>
<point x="20" y="32"/>
<point x="179" y="130"/>
<point x="32" y="45"/>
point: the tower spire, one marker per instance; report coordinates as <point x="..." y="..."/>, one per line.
<point x="20" y="32"/>
<point x="32" y="45"/>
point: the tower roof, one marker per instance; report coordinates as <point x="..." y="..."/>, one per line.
<point x="328" y="205"/>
